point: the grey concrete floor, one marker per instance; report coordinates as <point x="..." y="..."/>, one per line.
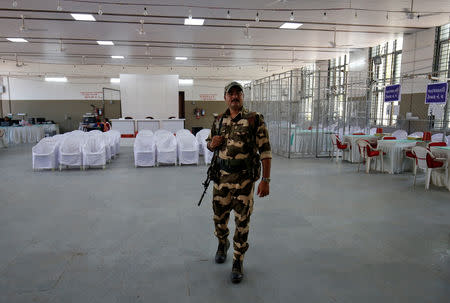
<point x="325" y="234"/>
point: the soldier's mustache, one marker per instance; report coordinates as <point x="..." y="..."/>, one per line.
<point x="235" y="100"/>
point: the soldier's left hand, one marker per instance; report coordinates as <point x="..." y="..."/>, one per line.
<point x="263" y="189"/>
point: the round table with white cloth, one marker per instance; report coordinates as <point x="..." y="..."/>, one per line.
<point x="353" y="156"/>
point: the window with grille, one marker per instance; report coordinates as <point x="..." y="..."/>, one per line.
<point x="441" y="69"/>
<point x="337" y="69"/>
<point x="385" y="66"/>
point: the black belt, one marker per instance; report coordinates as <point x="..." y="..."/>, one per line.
<point x="234" y="165"/>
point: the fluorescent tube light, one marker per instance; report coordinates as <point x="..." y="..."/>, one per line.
<point x="105" y="42"/>
<point x="16" y="39"/>
<point x="83" y="17"/>
<point x="185" y="81"/>
<point x="191" y="21"/>
<point x="181" y="58"/>
<point x="115" y="80"/>
<point x="290" y="25"/>
<point x="117" y="57"/>
<point x="56" y="79"/>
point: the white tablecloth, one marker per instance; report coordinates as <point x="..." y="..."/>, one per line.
<point x="437" y="176"/>
<point x="306" y="141"/>
<point x="395" y="161"/>
<point x="28" y="134"/>
<point x="353" y="156"/>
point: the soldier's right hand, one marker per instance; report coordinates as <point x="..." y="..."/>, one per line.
<point x="216" y="141"/>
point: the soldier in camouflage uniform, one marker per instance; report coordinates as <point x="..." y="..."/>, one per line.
<point x="242" y="143"/>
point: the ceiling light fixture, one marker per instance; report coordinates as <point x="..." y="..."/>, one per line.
<point x="145" y="11"/>
<point x="16" y="39"/>
<point x="56" y="79"/>
<point x="141" y="30"/>
<point x="290" y="25"/>
<point x="114" y="80"/>
<point x="185" y="81"/>
<point x="147" y="51"/>
<point x="191" y="21"/>
<point x="190" y="14"/>
<point x="105" y="42"/>
<point x="228" y="14"/>
<point x="117" y="57"/>
<point x="356" y="14"/>
<point x="100" y="11"/>
<point x="324" y="16"/>
<point x="292" y="16"/>
<point x="387" y="15"/>
<point x="181" y="58"/>
<point x="257" y="17"/>
<point x="83" y="17"/>
<point x="14" y="3"/>
<point x="58" y="5"/>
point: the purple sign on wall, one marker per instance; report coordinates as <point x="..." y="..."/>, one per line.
<point x="436" y="93"/>
<point x="392" y="93"/>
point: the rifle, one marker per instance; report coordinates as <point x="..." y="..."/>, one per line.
<point x="210" y="172"/>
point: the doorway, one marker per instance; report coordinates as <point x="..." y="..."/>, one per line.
<point x="181" y="114"/>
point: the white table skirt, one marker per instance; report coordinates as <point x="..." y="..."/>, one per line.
<point x="27" y="134"/>
<point x="395" y="161"/>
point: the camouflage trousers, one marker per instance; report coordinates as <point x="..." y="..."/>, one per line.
<point x="237" y="197"/>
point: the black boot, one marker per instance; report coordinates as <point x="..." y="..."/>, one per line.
<point x="222" y="249"/>
<point x="237" y="273"/>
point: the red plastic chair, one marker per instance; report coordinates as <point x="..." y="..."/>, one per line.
<point x="427" y="161"/>
<point x="339" y="146"/>
<point x="436" y="144"/>
<point x="358" y="134"/>
<point x="389" y="138"/>
<point x="367" y="152"/>
<point x="426" y="136"/>
<point x="379" y="130"/>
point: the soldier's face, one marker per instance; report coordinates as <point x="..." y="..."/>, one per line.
<point x="234" y="98"/>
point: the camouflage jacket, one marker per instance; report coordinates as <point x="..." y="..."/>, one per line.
<point x="239" y="134"/>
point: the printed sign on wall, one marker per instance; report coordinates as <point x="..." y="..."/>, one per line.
<point x="92" y="95"/>
<point x="392" y="93"/>
<point x="208" y="97"/>
<point x="436" y="93"/>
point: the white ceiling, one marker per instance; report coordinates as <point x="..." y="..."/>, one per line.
<point x="55" y="37"/>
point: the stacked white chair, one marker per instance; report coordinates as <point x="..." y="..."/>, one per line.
<point x="400" y="134"/>
<point x="94" y="151"/>
<point x="71" y="150"/>
<point x="166" y="147"/>
<point x="187" y="148"/>
<point x="145" y="149"/>
<point x="45" y="155"/>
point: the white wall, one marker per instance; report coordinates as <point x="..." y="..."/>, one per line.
<point x="204" y="90"/>
<point x="38" y="89"/>
<point x="149" y="95"/>
<point x="359" y="60"/>
<point x="417" y="58"/>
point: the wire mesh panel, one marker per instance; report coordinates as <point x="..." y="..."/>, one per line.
<point x="303" y="107"/>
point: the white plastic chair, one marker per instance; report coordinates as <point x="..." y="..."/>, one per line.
<point x="200" y="136"/>
<point x="116" y="139"/>
<point x="437" y="138"/>
<point x="367" y="153"/>
<point x="94" y="153"/>
<point x="44" y="154"/>
<point x="429" y="164"/>
<point x="373" y="131"/>
<point x="337" y="146"/>
<point x="400" y="134"/>
<point x="187" y="149"/>
<point x="182" y="132"/>
<point x="166" y="147"/>
<point x="70" y="151"/>
<point x="144" y="149"/>
<point x="416" y="134"/>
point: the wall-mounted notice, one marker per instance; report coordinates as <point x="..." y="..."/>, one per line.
<point x="92" y="95"/>
<point x="436" y="93"/>
<point x="208" y="97"/>
<point x="392" y="93"/>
